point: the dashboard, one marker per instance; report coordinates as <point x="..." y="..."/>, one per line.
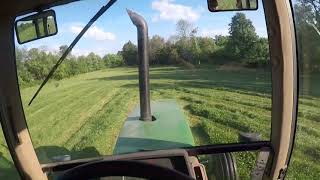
<point x="178" y="160"/>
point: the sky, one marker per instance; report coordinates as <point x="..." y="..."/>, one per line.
<point x="114" y="27"/>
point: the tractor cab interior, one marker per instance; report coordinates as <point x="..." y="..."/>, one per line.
<point x="160" y="108"/>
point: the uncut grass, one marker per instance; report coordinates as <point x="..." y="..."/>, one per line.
<point x="198" y="109"/>
<point x="227" y="118"/>
<point x="223" y="129"/>
<point x="62" y="116"/>
<point x="90" y="134"/>
<point x="251" y="112"/>
<point x="215" y="133"/>
<point x="307" y="137"/>
<point x="244" y="99"/>
<point x="306" y="129"/>
<point x="233" y="114"/>
<point x="47" y="106"/>
<point x="219" y="134"/>
<point x="307" y="134"/>
<point x="72" y="122"/>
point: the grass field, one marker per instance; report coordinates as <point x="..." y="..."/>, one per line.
<point x="83" y="115"/>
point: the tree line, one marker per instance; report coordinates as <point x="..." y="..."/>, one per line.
<point x="186" y="48"/>
<point x="242" y="46"/>
<point x="34" y="65"/>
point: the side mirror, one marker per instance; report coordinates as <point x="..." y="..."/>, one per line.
<point x="36" y="26"/>
<point x="232" y="5"/>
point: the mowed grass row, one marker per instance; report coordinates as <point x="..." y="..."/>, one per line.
<point x="220" y="116"/>
<point x="220" y="113"/>
<point x="83" y="115"/>
<point x="223" y="123"/>
<point x="80" y="116"/>
<point x="82" y="119"/>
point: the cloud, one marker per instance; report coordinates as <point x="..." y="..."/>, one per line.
<point x="213" y="32"/>
<point x="94" y="32"/>
<point x="171" y="11"/>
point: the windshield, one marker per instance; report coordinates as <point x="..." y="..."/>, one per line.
<point x="210" y="80"/>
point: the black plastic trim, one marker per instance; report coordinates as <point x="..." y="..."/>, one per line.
<point x="223" y="148"/>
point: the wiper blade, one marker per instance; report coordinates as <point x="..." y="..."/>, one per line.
<point x="74" y="42"/>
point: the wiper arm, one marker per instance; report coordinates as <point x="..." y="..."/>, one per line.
<point x="74" y="42"/>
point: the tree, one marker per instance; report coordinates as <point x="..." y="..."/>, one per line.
<point x="168" y="54"/>
<point x="23" y="74"/>
<point x="221" y="41"/>
<point x="83" y="64"/>
<point x="94" y="62"/>
<point x="184" y="28"/>
<point x="259" y="54"/>
<point x="113" y="60"/>
<point x="155" y="43"/>
<point x="242" y="36"/>
<point x="307" y="18"/>
<point x="21" y="54"/>
<point x="62" y="49"/>
<point x="207" y="47"/>
<point x="62" y="72"/>
<point x="195" y="48"/>
<point x="186" y="43"/>
<point x="312" y="10"/>
<point x="38" y="64"/>
<point x="130" y="53"/>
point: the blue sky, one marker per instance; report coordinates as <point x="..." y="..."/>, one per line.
<point x="114" y="28"/>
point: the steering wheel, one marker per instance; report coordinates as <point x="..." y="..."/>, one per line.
<point x="127" y="168"/>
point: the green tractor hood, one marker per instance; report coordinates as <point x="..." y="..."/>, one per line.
<point x="169" y="130"/>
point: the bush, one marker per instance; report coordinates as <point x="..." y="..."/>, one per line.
<point x="258" y="55"/>
<point x="113" y="60"/>
<point x="130" y="53"/>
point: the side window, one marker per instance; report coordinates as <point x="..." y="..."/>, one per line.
<point x="304" y="163"/>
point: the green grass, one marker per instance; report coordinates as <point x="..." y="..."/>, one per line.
<point x="83" y="115"/>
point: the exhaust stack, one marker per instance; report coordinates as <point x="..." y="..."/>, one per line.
<point x="143" y="57"/>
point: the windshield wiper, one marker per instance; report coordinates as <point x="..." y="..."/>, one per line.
<point x="74" y="42"/>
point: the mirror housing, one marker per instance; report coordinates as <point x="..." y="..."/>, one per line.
<point x="36" y="26"/>
<point x="232" y="5"/>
